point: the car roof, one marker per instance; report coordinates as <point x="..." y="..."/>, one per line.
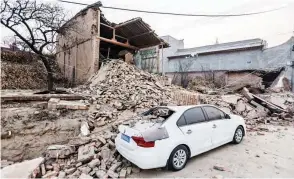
<point x="184" y="108"/>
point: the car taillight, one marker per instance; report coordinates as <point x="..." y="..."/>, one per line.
<point x="142" y="143"/>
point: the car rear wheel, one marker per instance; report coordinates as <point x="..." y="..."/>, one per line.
<point x="238" y="136"/>
<point x="178" y="158"/>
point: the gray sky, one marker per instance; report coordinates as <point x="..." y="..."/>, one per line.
<point x="275" y="27"/>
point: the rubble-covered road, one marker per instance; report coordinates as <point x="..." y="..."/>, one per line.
<point x="269" y="155"/>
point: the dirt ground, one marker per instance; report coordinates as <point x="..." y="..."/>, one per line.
<point x="269" y="155"/>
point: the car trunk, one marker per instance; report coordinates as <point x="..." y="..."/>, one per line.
<point x="150" y="130"/>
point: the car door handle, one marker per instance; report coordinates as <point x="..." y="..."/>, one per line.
<point x="213" y="126"/>
<point x="189" y="131"/>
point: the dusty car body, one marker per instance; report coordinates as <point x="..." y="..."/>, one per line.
<point x="178" y="133"/>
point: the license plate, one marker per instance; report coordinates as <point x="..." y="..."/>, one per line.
<point x="125" y="138"/>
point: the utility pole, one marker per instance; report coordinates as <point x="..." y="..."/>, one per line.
<point x="162" y="67"/>
<point x="292" y="63"/>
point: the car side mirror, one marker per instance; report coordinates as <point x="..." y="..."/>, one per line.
<point x="227" y="116"/>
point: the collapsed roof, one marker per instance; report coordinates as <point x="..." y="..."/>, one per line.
<point x="137" y="32"/>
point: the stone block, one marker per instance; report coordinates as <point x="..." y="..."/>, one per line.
<point x="50" y="174"/>
<point x="86" y="153"/>
<point x="70" y="171"/>
<point x="85" y="176"/>
<point x="100" y="173"/>
<point x="123" y="173"/>
<point x="23" y="169"/>
<point x="94" y="163"/>
<point x="59" y="151"/>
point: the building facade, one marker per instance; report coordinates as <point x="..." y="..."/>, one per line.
<point x="234" y="62"/>
<point x="92" y="40"/>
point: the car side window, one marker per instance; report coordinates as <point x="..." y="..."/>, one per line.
<point x="214" y="113"/>
<point x="181" y="121"/>
<point x="194" y="115"/>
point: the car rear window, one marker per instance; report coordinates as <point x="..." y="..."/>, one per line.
<point x="194" y="115"/>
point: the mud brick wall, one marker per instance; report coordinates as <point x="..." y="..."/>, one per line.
<point x="23" y="70"/>
<point x="185" y="97"/>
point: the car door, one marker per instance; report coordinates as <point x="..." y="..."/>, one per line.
<point x="196" y="130"/>
<point x="221" y="127"/>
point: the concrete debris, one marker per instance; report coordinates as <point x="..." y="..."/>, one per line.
<point x="85" y="129"/>
<point x="89" y="160"/>
<point x="59" y="151"/>
<point x="217" y="177"/>
<point x="219" y="168"/>
<point x="61" y="175"/>
<point x="123" y="173"/>
<point x="129" y="170"/>
<point x="70" y="170"/>
<point x="24" y="169"/>
<point x="122" y="91"/>
<point x="135" y="170"/>
<point x="100" y="173"/>
<point x="50" y="174"/>
<point x="85" y="176"/>
<point x="94" y="163"/>
<point x="56" y="103"/>
<point x="256" y="110"/>
<point x="85" y="153"/>
<point x="112" y="174"/>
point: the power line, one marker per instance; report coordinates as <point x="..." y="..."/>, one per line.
<point x="178" y="14"/>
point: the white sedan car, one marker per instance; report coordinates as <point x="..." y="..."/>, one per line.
<point x="186" y="131"/>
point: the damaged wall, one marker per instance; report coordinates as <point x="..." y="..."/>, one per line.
<point x="280" y="56"/>
<point x="236" y="60"/>
<point x="248" y="78"/>
<point x="239" y="60"/>
<point x="78" y="48"/>
<point x="23" y="70"/>
<point x="219" y="78"/>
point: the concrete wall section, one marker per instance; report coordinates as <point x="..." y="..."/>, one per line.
<point x="243" y="78"/>
<point x="239" y="60"/>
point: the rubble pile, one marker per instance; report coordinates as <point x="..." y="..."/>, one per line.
<point x="86" y="157"/>
<point x="256" y="113"/>
<point x="125" y="86"/>
<point x="201" y="85"/>
<point x="119" y="90"/>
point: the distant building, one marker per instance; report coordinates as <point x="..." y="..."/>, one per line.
<point x="150" y="59"/>
<point x="233" y="62"/>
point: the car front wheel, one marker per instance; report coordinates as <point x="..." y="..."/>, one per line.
<point x="178" y="158"/>
<point x="238" y="136"/>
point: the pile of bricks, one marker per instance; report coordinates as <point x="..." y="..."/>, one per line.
<point x="86" y="157"/>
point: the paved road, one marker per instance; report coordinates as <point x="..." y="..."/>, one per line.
<point x="269" y="155"/>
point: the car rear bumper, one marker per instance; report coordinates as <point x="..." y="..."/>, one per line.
<point x="144" y="158"/>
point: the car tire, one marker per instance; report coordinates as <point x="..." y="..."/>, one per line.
<point x="178" y="158"/>
<point x="238" y="135"/>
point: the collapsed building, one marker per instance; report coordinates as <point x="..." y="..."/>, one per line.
<point x="92" y="39"/>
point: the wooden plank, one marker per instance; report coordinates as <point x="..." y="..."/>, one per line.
<point x="267" y="104"/>
<point x="118" y="43"/>
<point x="39" y="97"/>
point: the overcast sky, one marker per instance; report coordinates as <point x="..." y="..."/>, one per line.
<point x="275" y="27"/>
